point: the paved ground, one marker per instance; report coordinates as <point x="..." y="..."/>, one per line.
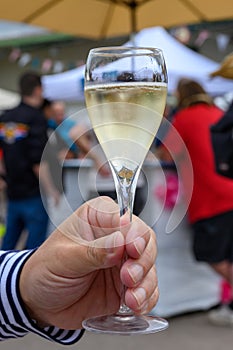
<point x="190" y="332"/>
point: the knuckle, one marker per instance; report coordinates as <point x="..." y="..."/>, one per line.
<point x="94" y="255"/>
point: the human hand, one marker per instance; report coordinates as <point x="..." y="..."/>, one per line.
<point x="77" y="272"/>
<point x="103" y="169"/>
<point x="55" y="196"/>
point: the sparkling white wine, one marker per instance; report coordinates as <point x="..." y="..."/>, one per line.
<point x="126" y="118"/>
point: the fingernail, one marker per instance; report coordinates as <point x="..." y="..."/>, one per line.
<point x="136" y="272"/>
<point x="113" y="241"/>
<point x="140" y="295"/>
<point x="140" y="245"/>
<point x="144" y="309"/>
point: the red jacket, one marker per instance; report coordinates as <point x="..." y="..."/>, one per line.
<point x="212" y="194"/>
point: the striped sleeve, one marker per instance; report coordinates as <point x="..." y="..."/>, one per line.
<point x="14" y="320"/>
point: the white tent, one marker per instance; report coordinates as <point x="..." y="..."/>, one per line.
<point x="66" y="86"/>
<point x="8" y="99"/>
<point x="181" y="62"/>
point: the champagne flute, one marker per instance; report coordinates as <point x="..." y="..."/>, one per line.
<point x="125" y="92"/>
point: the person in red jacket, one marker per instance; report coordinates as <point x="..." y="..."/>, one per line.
<point x="210" y="211"/>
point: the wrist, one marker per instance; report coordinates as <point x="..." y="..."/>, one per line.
<point x="30" y="309"/>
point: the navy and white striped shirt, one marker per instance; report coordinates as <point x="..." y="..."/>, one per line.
<point x="14" y="321"/>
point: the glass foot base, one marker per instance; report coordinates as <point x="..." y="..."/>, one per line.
<point x="125" y="325"/>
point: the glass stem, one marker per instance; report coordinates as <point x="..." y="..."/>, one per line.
<point x="125" y="183"/>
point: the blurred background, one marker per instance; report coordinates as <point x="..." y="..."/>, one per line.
<point x="53" y="38"/>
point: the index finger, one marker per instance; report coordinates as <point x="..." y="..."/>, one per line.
<point x="138" y="237"/>
<point x="103" y="216"/>
<point x="94" y="219"/>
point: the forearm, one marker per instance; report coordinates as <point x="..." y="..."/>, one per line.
<point x="85" y="145"/>
<point x="81" y="136"/>
<point x="15" y="321"/>
<point x="43" y="173"/>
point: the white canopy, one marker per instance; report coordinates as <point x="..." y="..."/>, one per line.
<point x="67" y="86"/>
<point x="181" y="61"/>
<point x="8" y="99"/>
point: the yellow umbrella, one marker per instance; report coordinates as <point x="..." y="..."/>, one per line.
<point x="107" y="18"/>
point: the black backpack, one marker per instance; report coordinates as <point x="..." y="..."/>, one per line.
<point x="222" y="142"/>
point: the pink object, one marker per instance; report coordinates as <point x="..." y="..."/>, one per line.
<point x="226" y="294"/>
<point x="168" y="193"/>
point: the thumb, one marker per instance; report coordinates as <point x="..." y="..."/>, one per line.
<point x="104" y="252"/>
